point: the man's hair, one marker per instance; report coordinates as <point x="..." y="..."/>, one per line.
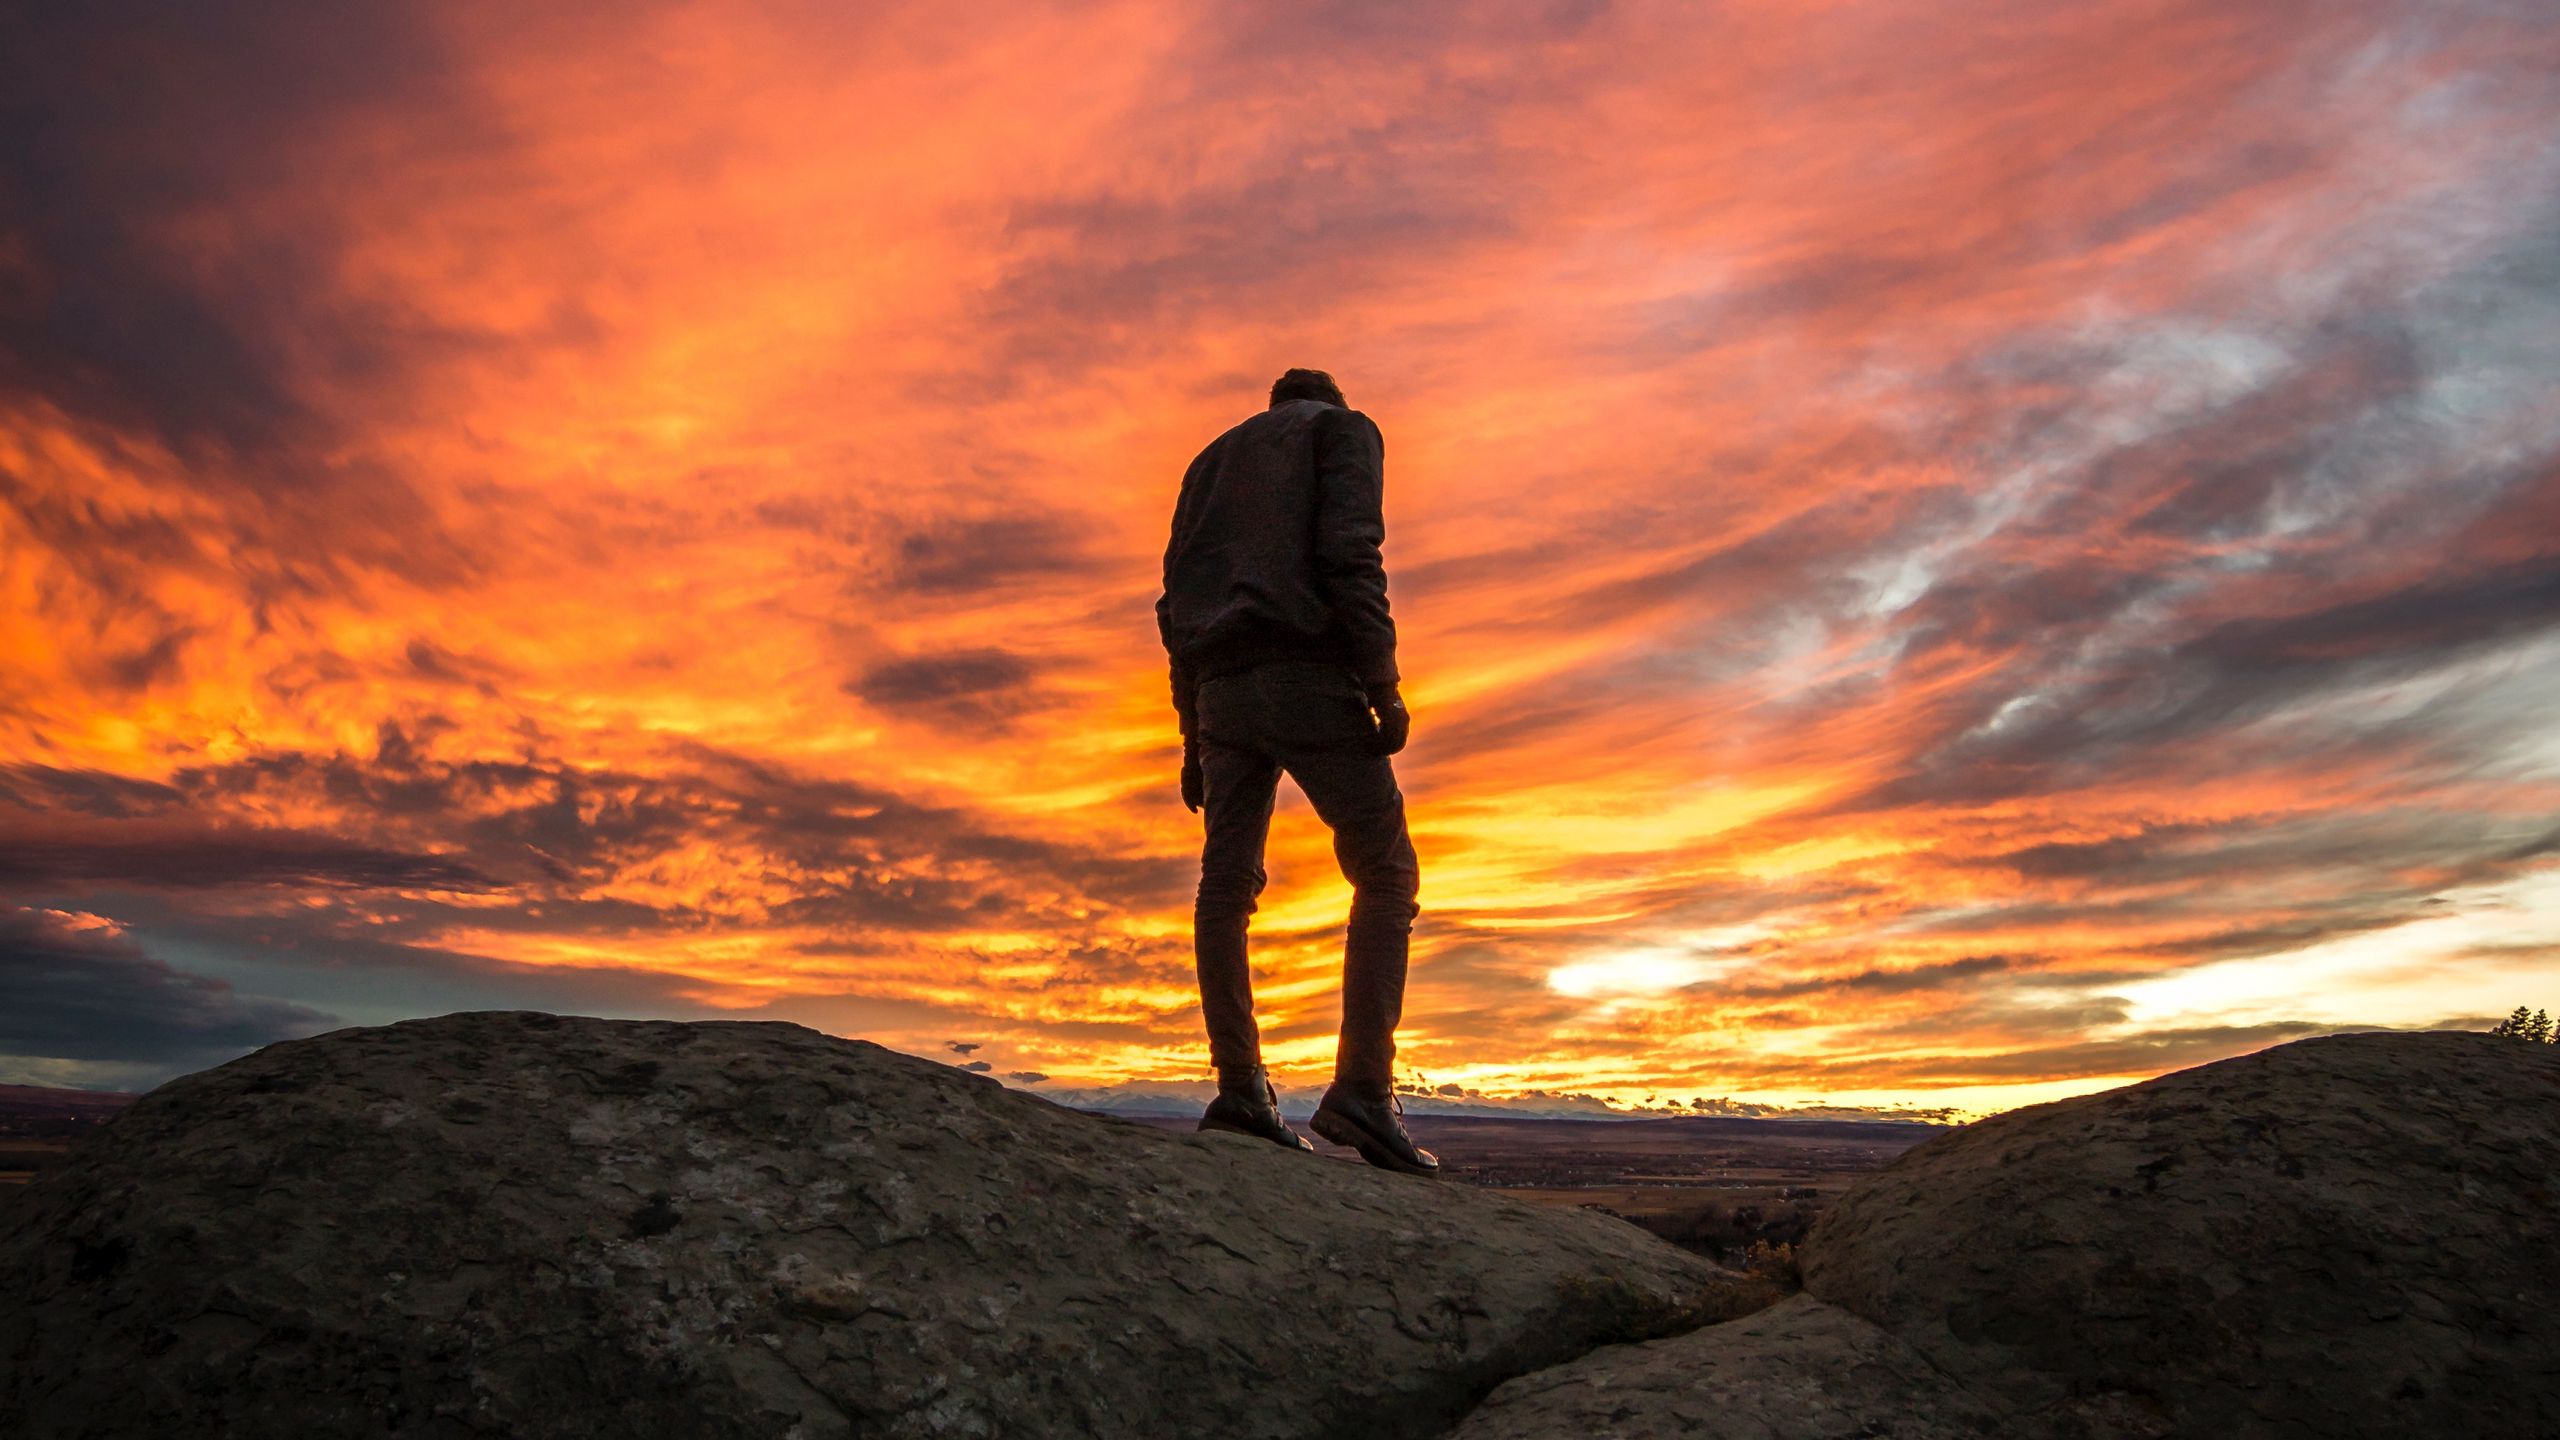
<point x="1306" y="385"/>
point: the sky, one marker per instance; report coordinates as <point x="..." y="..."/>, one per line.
<point x="1947" y="556"/>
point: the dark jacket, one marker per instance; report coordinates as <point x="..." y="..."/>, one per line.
<point x="1274" y="553"/>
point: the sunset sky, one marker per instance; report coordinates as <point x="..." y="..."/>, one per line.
<point x="1947" y="555"/>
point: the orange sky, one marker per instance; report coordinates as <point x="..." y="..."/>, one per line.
<point x="1946" y="556"/>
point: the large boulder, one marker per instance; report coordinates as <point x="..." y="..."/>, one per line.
<point x="533" y="1226"/>
<point x="2350" y="1236"/>
<point x="1800" y="1370"/>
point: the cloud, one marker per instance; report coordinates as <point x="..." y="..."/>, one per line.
<point x="77" y="988"/>
<point x="2138" y="1055"/>
<point x="981" y="685"/>
<point x="202" y="344"/>
<point x="44" y="852"/>
<point x="971" y="555"/>
<point x="2240" y="671"/>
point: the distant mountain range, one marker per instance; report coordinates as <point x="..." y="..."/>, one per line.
<point x="1177" y="1097"/>
<point x="38" y="1102"/>
<point x="1181" y="1097"/>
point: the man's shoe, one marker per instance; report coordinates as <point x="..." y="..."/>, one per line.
<point x="1372" y="1123"/>
<point x="1247" y="1105"/>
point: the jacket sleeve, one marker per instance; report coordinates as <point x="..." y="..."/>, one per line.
<point x="1185" y="713"/>
<point x="1350" y="526"/>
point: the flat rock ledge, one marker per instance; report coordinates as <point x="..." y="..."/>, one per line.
<point x="536" y="1226"/>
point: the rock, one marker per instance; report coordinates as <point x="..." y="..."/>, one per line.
<point x="526" y="1225"/>
<point x="2350" y="1236"/>
<point x="1800" y="1370"/>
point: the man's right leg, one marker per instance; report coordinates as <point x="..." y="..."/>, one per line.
<point x="1356" y="795"/>
<point x="1236" y="817"/>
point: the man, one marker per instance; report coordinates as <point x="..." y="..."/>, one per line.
<point x="1274" y="615"/>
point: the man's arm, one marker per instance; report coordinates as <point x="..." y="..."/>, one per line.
<point x="1185" y="711"/>
<point x="1350" y="526"/>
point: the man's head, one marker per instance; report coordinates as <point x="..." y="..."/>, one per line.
<point x="1306" y="385"/>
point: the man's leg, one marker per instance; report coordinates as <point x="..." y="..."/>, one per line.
<point x="1237" y="820"/>
<point x="1355" y="793"/>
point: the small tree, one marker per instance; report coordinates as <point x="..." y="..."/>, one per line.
<point x="2531" y="1026"/>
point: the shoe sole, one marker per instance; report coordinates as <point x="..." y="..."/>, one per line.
<point x="1343" y="1130"/>
<point x="1222" y="1125"/>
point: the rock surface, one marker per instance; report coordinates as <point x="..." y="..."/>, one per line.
<point x="525" y="1225"/>
<point x="532" y="1226"/>
<point x="1800" y="1370"/>
<point x="2350" y="1236"/>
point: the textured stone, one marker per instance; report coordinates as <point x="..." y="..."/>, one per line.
<point x="1800" y="1370"/>
<point x="2350" y="1236"/>
<point x="524" y="1225"/>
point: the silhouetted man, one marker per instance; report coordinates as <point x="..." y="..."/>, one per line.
<point x="1274" y="614"/>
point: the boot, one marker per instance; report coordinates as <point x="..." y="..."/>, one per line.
<point x="1247" y="1105"/>
<point x="1371" y="1121"/>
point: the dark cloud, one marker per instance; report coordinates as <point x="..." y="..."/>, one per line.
<point x="438" y="663"/>
<point x="2434" y="620"/>
<point x="966" y="556"/>
<point x="983" y="684"/>
<point x="1905" y="980"/>
<point x="1025" y="1077"/>
<point x="102" y="313"/>
<point x="2144" y="1054"/>
<point x="72" y="988"/>
<point x="174" y="276"/>
<point x="962" y="1047"/>
<point x="2227" y="676"/>
<point x="44" y="852"/>
<point x="2307" y="526"/>
<point x="977" y="1067"/>
<point x="1345" y="206"/>
<point x="2395" y="856"/>
<point x="959" y="550"/>
<point x="84" y="792"/>
<point x="864" y="863"/>
<point x="2276" y="936"/>
<point x="1152" y="264"/>
<point x="2113" y="857"/>
<point x="366" y="958"/>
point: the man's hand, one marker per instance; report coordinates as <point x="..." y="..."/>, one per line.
<point x="1395" y="723"/>
<point x="1195" y="786"/>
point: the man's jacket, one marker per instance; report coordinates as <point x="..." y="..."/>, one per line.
<point x="1274" y="553"/>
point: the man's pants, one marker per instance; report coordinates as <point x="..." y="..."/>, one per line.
<point x="1312" y="721"/>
